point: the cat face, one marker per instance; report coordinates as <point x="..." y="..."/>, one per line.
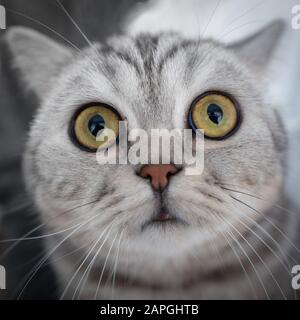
<point x="151" y="82"/>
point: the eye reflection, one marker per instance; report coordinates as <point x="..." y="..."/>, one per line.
<point x="96" y="124"/>
<point x="215" y="113"/>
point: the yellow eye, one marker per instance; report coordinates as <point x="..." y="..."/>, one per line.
<point x="89" y="127"/>
<point x="215" y="113"/>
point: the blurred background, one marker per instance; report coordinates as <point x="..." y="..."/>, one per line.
<point x="224" y="20"/>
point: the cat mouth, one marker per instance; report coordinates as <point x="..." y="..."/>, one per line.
<point x="163" y="218"/>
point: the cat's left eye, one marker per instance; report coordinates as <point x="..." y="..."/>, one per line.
<point x="90" y="123"/>
<point x="216" y="113"/>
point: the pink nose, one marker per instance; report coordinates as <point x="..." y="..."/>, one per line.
<point x="159" y="174"/>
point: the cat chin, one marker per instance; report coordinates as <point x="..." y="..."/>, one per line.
<point x="171" y="266"/>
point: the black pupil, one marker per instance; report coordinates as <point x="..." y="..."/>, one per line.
<point x="96" y="124"/>
<point x="215" y="113"/>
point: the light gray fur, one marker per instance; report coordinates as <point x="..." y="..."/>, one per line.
<point x="152" y="81"/>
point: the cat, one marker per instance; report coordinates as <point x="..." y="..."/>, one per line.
<point x="152" y="232"/>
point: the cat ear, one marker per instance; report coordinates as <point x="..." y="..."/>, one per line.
<point x="258" y="49"/>
<point x="38" y="58"/>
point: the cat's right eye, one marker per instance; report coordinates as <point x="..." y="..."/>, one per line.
<point x="89" y="125"/>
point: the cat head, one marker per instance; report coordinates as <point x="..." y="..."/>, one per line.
<point x="151" y="82"/>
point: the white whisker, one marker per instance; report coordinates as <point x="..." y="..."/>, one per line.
<point x="116" y="264"/>
<point x="103" y="269"/>
<point x="74" y="23"/>
<point x="241" y="264"/>
<point x="45" y="26"/>
<point x="256" y="253"/>
<point x="108" y="227"/>
<point x="38" y="266"/>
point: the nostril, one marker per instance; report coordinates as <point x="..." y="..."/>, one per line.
<point x="144" y="175"/>
<point x="172" y="172"/>
<point x="148" y="177"/>
<point x="158" y="174"/>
